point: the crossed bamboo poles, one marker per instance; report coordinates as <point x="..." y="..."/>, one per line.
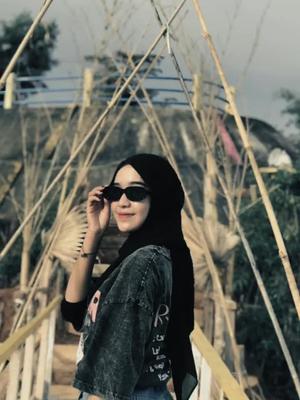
<point x="241" y="129"/>
<point x="90" y="133"/>
<point x="245" y="139"/>
<point x="248" y="148"/>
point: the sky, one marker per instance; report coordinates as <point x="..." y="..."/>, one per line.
<point x="257" y="41"/>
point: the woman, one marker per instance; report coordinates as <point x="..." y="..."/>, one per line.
<point x="136" y="319"/>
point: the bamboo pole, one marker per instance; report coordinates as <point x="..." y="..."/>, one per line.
<point x="64" y="208"/>
<point x="90" y="133"/>
<point x="260" y="182"/>
<point x="197" y="226"/>
<point x="40" y="387"/>
<point x="161" y="136"/>
<point x="88" y="83"/>
<point x="211" y="266"/>
<point x="14" y="373"/>
<point x="9" y="92"/>
<point x="213" y="271"/>
<point x="50" y="350"/>
<point x="47" y="250"/>
<point x="24" y="42"/>
<point x="26" y="246"/>
<point x="28" y="367"/>
<point x="205" y="380"/>
<point x="244" y="240"/>
<point x="38" y="271"/>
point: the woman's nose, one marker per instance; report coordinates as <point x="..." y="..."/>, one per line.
<point x="123" y="200"/>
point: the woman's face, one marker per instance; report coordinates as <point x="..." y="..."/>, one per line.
<point x="129" y="215"/>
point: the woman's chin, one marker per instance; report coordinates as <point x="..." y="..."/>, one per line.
<point x="127" y="227"/>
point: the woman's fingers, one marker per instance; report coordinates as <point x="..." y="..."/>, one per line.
<point x="96" y="190"/>
<point x="96" y="194"/>
<point x="93" y="199"/>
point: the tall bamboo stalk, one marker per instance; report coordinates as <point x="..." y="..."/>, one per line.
<point x="90" y="133"/>
<point x="35" y="278"/>
<point x="24" y="42"/>
<point x="197" y="226"/>
<point x="247" y="248"/>
<point x="211" y="266"/>
<point x="260" y="182"/>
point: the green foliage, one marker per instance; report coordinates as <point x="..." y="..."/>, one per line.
<point x="293" y="106"/>
<point x="254" y="328"/>
<point x="37" y="57"/>
<point x="10" y="265"/>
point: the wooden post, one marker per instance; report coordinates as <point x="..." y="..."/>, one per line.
<point x="14" y="374"/>
<point x="28" y="366"/>
<point x="39" y="391"/>
<point x="253" y="193"/>
<point x="205" y="381"/>
<point x="219" y="327"/>
<point x="25" y="258"/>
<point x="9" y="92"/>
<point x="41" y="368"/>
<point x="59" y="289"/>
<point x="88" y="84"/>
<point x="228" y="351"/>
<point x="49" y="357"/>
<point x="197" y="95"/>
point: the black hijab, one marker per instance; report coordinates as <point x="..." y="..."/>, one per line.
<point x="163" y="227"/>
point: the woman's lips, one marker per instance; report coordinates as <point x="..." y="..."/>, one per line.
<point x="124" y="216"/>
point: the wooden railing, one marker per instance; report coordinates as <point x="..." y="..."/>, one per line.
<point x="213" y="369"/>
<point x="29" y="370"/>
<point x="29" y="352"/>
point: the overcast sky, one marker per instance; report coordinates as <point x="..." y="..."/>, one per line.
<point x="257" y="41"/>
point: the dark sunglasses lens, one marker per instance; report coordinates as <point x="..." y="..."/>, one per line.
<point x="112" y="193"/>
<point x="136" y="193"/>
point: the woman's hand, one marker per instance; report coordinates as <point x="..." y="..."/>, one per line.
<point x="97" y="210"/>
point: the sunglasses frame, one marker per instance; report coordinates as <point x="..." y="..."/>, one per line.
<point x="126" y="191"/>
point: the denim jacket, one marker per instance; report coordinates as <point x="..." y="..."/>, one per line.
<point x="122" y="344"/>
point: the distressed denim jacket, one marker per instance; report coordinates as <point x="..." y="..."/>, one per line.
<point x="122" y="345"/>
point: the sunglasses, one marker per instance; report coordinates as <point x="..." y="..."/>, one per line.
<point x="133" y="193"/>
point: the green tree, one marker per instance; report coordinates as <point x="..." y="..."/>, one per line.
<point x="37" y="57"/>
<point x="292" y="107"/>
<point x="254" y="329"/>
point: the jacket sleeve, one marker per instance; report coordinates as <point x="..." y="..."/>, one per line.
<point x="74" y="312"/>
